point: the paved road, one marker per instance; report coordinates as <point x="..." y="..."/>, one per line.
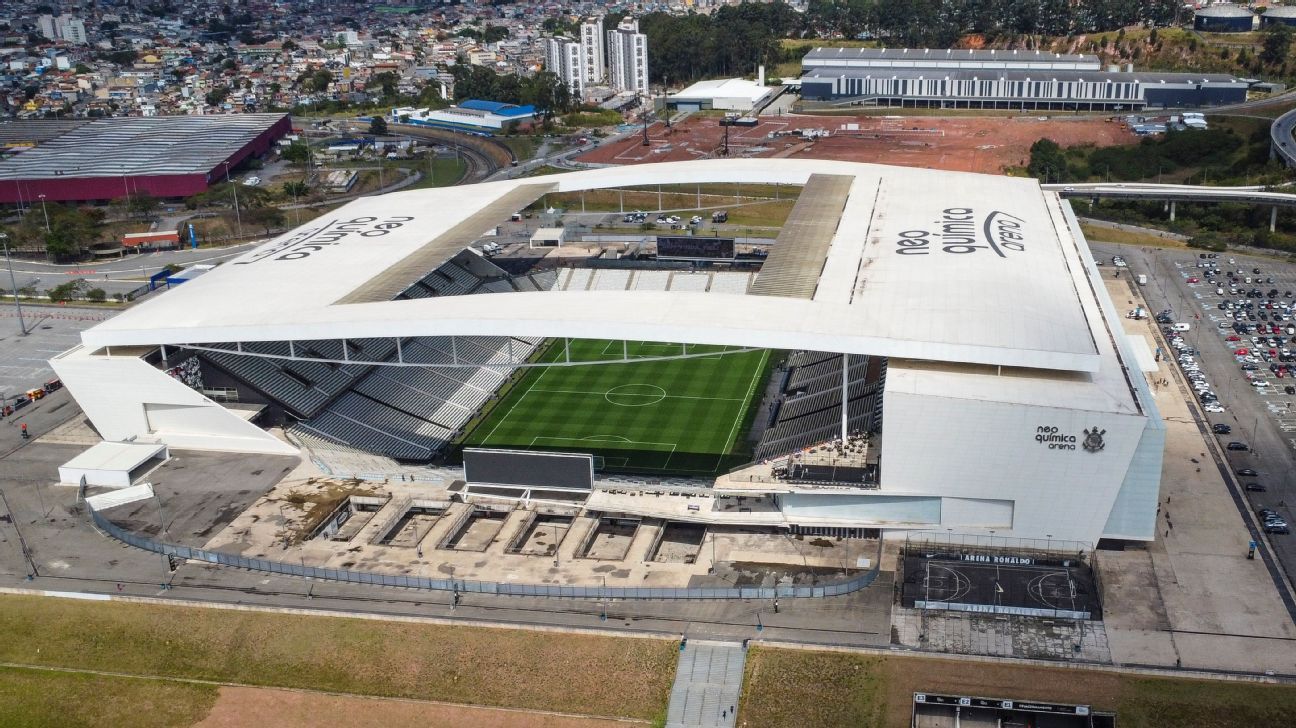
<point x="1273" y="452"/>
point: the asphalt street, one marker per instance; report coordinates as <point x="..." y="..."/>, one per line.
<point x="1257" y="418"/>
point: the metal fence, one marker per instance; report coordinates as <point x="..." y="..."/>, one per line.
<point x="465" y="586"/>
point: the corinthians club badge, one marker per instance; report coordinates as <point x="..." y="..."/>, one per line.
<point x="1093" y="441"/>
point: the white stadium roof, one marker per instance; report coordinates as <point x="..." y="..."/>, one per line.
<point x="921" y="264"/>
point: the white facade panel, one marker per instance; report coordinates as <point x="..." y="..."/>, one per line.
<point x="965" y="448"/>
<point x="116" y="393"/>
<point x="862" y="509"/>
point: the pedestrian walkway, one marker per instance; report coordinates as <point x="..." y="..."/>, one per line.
<point x="708" y="681"/>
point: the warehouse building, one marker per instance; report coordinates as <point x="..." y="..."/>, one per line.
<point x="1279" y="15"/>
<point x="1224" y="18"/>
<point x="162" y="156"/>
<point x="948" y="59"/>
<point x="726" y="94"/>
<point x="473" y="116"/>
<point x="1027" y="90"/>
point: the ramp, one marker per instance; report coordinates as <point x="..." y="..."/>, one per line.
<point x="708" y="682"/>
<point x="120" y="497"/>
<point x="403" y="273"/>
<point x="797" y="258"/>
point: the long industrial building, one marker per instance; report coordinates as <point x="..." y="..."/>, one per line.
<point x="162" y="156"/>
<point x="1026" y="80"/>
<point x="991" y="386"/>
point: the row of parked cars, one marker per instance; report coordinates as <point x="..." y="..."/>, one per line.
<point x="1263" y="325"/>
<point x="1187" y="357"/>
<point x="9" y="407"/>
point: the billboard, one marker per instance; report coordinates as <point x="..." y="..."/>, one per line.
<point x="692" y="247"/>
<point x="516" y="468"/>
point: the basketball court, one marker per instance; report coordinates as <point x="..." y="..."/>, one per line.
<point x="1001" y="584"/>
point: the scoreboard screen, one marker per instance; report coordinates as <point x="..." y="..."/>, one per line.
<point x="692" y="247"/>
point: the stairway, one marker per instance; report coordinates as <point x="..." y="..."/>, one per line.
<point x="708" y="681"/>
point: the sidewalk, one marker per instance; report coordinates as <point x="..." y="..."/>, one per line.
<point x="1192" y="598"/>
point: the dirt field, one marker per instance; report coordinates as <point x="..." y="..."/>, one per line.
<point x="239" y="707"/>
<point x="980" y="144"/>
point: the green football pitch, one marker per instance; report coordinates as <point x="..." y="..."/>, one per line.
<point x="681" y="417"/>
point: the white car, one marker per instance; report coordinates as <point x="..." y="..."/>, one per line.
<point x="1213" y="409"/>
<point x="252" y="181"/>
<point x="1259" y="383"/>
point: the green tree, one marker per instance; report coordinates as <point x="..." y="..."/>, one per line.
<point x="1277" y="43"/>
<point x="98" y="295"/>
<point x="267" y="217"/>
<point x="378" y="125"/>
<point x="1047" y="162"/>
<point x="296" y="153"/>
<point x="66" y="291"/>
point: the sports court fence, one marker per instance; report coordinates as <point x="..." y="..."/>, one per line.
<point x="467" y="586"/>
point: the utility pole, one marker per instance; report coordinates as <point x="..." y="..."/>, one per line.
<point x="44" y="212"/>
<point x="13" y="285"/>
<point x="238" y="217"/>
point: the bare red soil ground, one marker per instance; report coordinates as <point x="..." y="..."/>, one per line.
<point x="978" y="144"/>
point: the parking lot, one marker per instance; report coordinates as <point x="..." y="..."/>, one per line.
<point x="1237" y="366"/>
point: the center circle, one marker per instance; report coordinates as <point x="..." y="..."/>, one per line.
<point x="635" y="395"/>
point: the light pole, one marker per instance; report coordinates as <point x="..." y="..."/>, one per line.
<point x="4" y="239"/>
<point x="44" y="212"/>
<point x="238" y="218"/>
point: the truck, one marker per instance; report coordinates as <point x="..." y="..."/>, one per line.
<point x="720" y="216"/>
<point x="1142" y="279"/>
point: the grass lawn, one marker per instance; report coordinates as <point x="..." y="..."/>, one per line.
<point x="1098" y="233"/>
<point x="585" y="674"/>
<point x="824" y="689"/>
<point x="685" y="416"/>
<point x="524" y="147"/>
<point x="69" y="700"/>
<point x="442" y="172"/>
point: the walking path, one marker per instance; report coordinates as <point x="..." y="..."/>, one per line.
<point x="708" y="682"/>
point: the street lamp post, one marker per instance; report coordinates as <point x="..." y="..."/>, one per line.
<point x="238" y="217"/>
<point x="44" y="212"/>
<point x="4" y="239"/>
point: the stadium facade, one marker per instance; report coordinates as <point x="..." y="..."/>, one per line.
<point x="1002" y="79"/>
<point x="986" y="381"/>
<point x="162" y="156"/>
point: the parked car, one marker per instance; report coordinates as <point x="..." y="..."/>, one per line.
<point x="1238" y="446"/>
<point x="1256" y="487"/>
<point x="1221" y="429"/>
<point x="1247" y="472"/>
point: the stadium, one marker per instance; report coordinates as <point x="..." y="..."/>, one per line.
<point x="918" y="351"/>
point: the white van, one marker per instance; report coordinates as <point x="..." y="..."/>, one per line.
<point x="1181" y="327"/>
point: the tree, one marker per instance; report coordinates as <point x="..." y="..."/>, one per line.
<point x="295" y="189"/>
<point x="378" y="125"/>
<point x="97" y="295"/>
<point x="143" y="204"/>
<point x="296" y="153"/>
<point x="267" y="217"/>
<point x="66" y="291"/>
<point x="1277" y="43"/>
<point x="1047" y="163"/>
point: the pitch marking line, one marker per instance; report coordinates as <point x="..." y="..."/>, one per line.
<point x="614" y="394"/>
<point x="742" y="412"/>
<point x="619" y="440"/>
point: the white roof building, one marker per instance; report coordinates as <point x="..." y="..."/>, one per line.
<point x="978" y="290"/>
<point x="728" y="94"/>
